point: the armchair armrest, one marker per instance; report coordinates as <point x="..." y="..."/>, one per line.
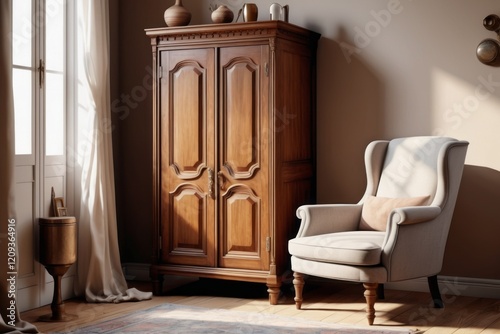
<point x="328" y="218"/>
<point x="414" y="239"/>
<point x="415" y="214"/>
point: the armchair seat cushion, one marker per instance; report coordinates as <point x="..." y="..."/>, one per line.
<point x="360" y="248"/>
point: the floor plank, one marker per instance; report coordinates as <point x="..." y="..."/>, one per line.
<point x="327" y="301"/>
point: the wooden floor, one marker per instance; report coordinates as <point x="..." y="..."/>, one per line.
<point x="323" y="301"/>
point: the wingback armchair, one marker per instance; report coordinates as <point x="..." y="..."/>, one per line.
<point x="397" y="231"/>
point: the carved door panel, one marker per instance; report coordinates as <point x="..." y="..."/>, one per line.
<point x="243" y="224"/>
<point x="187" y="156"/>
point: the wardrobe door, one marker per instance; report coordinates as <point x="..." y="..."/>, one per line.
<point x="244" y="137"/>
<point x="187" y="156"/>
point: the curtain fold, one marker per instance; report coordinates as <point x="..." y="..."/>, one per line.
<point x="100" y="273"/>
<point x="10" y="321"/>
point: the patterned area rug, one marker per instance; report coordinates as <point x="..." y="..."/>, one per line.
<point x="174" y="318"/>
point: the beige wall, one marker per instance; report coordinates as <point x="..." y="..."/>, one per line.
<point x="386" y="68"/>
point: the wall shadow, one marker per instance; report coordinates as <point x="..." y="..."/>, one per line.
<point x="132" y="117"/>
<point x="473" y="245"/>
<point x="350" y="114"/>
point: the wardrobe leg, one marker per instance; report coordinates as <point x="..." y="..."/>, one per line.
<point x="157" y="281"/>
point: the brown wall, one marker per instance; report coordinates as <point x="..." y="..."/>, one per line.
<point x="131" y="108"/>
<point x="132" y="111"/>
<point x="413" y="72"/>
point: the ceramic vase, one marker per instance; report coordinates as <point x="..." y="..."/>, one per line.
<point x="222" y="15"/>
<point x="177" y="15"/>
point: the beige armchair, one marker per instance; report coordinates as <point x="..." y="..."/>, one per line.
<point x="399" y="228"/>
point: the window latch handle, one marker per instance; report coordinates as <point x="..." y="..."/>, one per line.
<point x="41" y="69"/>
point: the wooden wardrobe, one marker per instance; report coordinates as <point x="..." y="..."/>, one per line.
<point x="233" y="148"/>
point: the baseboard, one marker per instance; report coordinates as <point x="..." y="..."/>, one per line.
<point x="136" y="271"/>
<point x="449" y="285"/>
<point x="140" y="272"/>
<point x="453" y="286"/>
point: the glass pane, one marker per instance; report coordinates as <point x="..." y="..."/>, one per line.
<point x="22" y="32"/>
<point x="54" y="114"/>
<point x="54" y="51"/>
<point x="22" y="85"/>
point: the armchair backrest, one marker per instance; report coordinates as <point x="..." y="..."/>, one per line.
<point x="415" y="166"/>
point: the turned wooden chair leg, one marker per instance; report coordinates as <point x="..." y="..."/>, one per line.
<point x="298" y="284"/>
<point x="371" y="297"/>
<point x="434" y="288"/>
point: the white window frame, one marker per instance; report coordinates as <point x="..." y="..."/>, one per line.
<point x="38" y="156"/>
<point x="36" y="172"/>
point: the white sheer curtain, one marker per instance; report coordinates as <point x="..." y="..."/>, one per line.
<point x="100" y="274"/>
<point x="10" y="321"/>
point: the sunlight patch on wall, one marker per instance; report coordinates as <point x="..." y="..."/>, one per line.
<point x="469" y="111"/>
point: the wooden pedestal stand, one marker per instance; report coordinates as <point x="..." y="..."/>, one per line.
<point x="57" y="254"/>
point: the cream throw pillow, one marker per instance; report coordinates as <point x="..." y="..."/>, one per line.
<point x="376" y="210"/>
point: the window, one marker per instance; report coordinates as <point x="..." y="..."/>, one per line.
<point x="55" y="92"/>
<point x="23" y="74"/>
<point x="43" y="72"/>
<point x="39" y="57"/>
